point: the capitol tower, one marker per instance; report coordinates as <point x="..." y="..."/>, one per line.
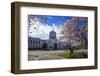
<point x="52" y="35"/>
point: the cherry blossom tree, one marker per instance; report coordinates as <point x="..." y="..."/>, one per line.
<point x="74" y="35"/>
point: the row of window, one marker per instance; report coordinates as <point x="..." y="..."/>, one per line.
<point x="38" y="42"/>
<point x="34" y="41"/>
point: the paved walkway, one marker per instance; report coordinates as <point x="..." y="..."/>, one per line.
<point x="45" y="55"/>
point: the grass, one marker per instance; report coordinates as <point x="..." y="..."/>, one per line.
<point x="75" y="54"/>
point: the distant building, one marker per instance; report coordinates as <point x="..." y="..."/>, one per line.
<point x="51" y="43"/>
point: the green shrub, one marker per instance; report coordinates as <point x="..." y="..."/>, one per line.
<point x="75" y="54"/>
<point x="79" y="55"/>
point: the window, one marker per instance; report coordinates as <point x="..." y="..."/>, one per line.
<point x="36" y="42"/>
<point x="39" y="42"/>
<point x="33" y="41"/>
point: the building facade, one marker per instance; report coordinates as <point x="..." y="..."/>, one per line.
<point x="51" y="44"/>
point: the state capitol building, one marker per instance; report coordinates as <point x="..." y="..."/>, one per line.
<point x="51" y="44"/>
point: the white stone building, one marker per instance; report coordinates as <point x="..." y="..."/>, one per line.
<point x="51" y="43"/>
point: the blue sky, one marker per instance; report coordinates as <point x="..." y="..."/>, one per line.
<point x="56" y="20"/>
<point x="41" y="25"/>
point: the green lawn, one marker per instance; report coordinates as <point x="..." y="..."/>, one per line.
<point x="75" y="54"/>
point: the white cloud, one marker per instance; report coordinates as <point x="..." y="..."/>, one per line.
<point x="42" y="31"/>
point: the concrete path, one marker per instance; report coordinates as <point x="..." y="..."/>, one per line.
<point x="45" y="55"/>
